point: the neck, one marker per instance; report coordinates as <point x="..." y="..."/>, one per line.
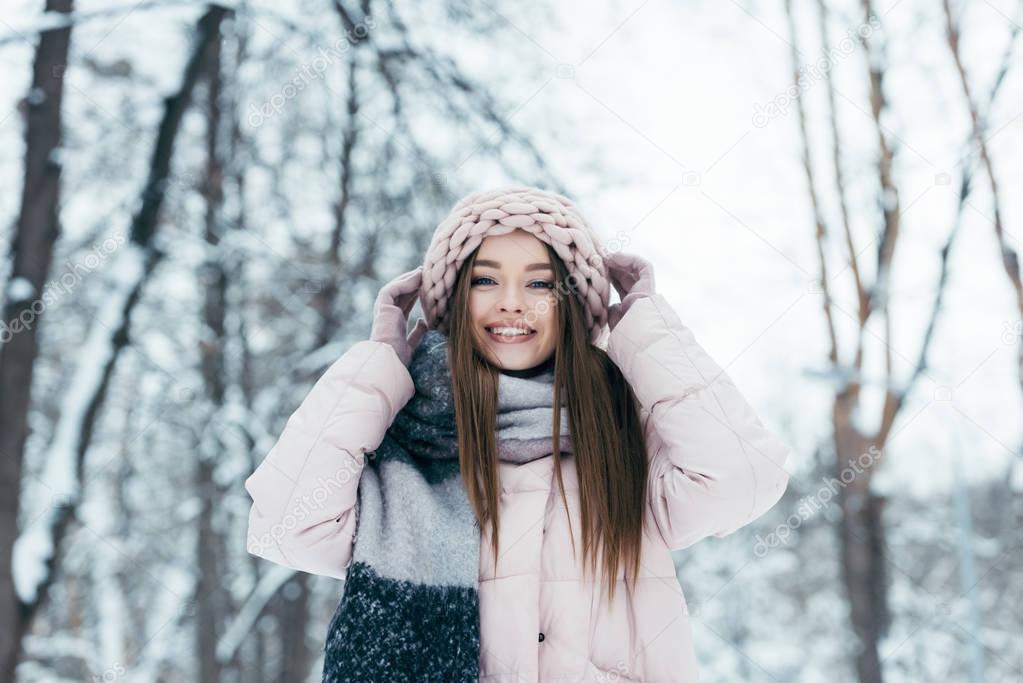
<point x="533" y="371"/>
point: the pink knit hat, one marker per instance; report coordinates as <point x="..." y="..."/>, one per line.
<point x="549" y="216"/>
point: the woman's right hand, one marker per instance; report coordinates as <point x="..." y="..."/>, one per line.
<point x="390" y="314"/>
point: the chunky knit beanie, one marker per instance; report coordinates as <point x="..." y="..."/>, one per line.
<point x="549" y="216"/>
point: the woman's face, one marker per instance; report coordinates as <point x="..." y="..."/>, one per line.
<point x="512" y="285"/>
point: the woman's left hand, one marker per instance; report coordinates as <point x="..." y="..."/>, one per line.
<point x="632" y="277"/>
<point x="393" y="304"/>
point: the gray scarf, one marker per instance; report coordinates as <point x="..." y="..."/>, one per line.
<point x="410" y="607"/>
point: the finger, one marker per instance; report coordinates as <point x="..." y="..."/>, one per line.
<point x="630" y="279"/>
<point x="384" y="298"/>
<point x="614" y="314"/>
<point x="628" y="260"/>
<point x="620" y="260"/>
<point x="388" y="324"/>
<point x="417" y="333"/>
<point x="410" y="281"/>
<point x="404" y="283"/>
<point x="647" y="279"/>
<point x="620" y="286"/>
<point x="612" y="268"/>
<point x="406" y="301"/>
<point x="403" y="287"/>
<point x="645" y="274"/>
<point x="617" y="266"/>
<point x="622" y="280"/>
<point x="629" y="269"/>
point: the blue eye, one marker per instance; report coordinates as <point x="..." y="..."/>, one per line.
<point x="543" y="283"/>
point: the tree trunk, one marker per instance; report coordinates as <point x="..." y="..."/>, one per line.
<point x="104" y="342"/>
<point x="211" y="599"/>
<point x="34" y="238"/>
<point x="861" y="535"/>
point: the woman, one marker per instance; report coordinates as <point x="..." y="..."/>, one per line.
<point x="476" y="545"/>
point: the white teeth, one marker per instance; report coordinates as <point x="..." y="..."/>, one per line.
<point x="509" y="331"/>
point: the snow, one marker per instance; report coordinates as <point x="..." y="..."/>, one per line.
<point x="58" y="156"/>
<point x="108" y="554"/>
<point x="245" y="619"/>
<point x="26" y="24"/>
<point x="174" y="603"/>
<point x="34" y="546"/>
<point x="36" y="96"/>
<point x="19" y="289"/>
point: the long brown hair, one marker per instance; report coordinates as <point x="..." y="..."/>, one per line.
<point x="604" y="422"/>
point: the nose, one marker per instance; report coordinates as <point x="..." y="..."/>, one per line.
<point x="512" y="302"/>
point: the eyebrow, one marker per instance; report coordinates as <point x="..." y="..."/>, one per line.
<point x="494" y="264"/>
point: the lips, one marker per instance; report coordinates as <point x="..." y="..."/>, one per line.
<point x="513" y="338"/>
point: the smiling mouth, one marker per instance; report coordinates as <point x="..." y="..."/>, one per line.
<point x="507" y="334"/>
<point x="508" y="329"/>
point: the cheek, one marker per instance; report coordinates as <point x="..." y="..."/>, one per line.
<point x="477" y="306"/>
<point x="545" y="311"/>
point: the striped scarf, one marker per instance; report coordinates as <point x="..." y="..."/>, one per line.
<point x="410" y="607"/>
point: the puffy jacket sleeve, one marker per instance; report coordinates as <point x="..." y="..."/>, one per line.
<point x="304" y="492"/>
<point x="714" y="467"/>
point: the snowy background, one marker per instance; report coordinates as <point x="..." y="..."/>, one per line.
<point x="676" y="127"/>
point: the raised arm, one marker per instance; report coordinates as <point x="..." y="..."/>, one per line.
<point x="714" y="467"/>
<point x="304" y="491"/>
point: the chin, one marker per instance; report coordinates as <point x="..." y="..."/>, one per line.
<point x="507" y="361"/>
<point x="515" y="365"/>
<point x="513" y="359"/>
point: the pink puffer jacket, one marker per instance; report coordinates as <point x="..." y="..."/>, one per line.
<point x="714" y="468"/>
